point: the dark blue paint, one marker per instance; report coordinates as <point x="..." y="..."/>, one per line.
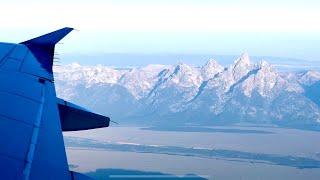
<point x="43" y="47"/>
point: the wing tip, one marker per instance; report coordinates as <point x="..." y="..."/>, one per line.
<point x="49" y="39"/>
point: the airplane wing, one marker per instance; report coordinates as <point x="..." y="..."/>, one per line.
<point x="76" y="118"/>
<point x="31" y="117"/>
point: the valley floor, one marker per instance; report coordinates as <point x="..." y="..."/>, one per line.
<point x="233" y="152"/>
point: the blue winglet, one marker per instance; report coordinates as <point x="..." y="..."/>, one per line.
<point x="43" y="46"/>
<point x="49" y="39"/>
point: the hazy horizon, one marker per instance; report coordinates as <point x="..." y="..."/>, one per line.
<point x="123" y="60"/>
<point x="261" y="28"/>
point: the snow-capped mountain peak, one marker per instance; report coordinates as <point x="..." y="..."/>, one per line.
<point x="241" y="67"/>
<point x="185" y="76"/>
<point x="243" y="60"/>
<point x="182" y="68"/>
<point x="265" y="65"/>
<point x="243" y="91"/>
<point x="210" y="69"/>
<point x="263" y="80"/>
<point x="88" y="75"/>
<point x="309" y="77"/>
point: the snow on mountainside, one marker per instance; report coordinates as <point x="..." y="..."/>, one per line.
<point x="139" y="81"/>
<point x="241" y="92"/>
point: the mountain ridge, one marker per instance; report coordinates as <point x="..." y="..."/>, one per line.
<point x="241" y="92"/>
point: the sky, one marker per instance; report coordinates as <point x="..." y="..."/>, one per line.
<point x="230" y="27"/>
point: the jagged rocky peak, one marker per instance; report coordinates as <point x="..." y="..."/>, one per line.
<point x="314" y="74"/>
<point x="210" y="69"/>
<point x="243" y="60"/>
<point x="265" y="66"/>
<point x="182" y="68"/>
<point x="212" y="63"/>
<point x="185" y="75"/>
<point x="309" y="77"/>
<point x="240" y="67"/>
<point x="263" y="79"/>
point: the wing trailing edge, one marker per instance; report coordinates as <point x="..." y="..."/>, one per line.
<point x="75" y="118"/>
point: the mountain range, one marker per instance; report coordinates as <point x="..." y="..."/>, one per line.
<point x="243" y="92"/>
